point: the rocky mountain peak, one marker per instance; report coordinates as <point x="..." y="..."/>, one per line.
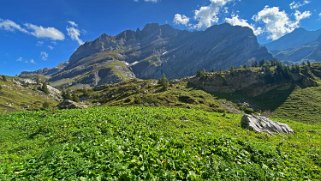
<point x="127" y="35"/>
<point x="161" y="49"/>
<point x="103" y="37"/>
<point x="151" y="27"/>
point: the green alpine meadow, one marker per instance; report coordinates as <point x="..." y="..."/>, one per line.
<point x="152" y="143"/>
<point x="160" y="90"/>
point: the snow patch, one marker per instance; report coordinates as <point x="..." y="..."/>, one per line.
<point x="134" y="63"/>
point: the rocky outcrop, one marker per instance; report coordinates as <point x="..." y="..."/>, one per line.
<point x="252" y="83"/>
<point x="54" y="93"/>
<point x="263" y="124"/>
<point x="69" y="104"/>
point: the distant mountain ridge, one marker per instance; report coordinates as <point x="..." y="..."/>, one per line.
<point x="300" y="45"/>
<point x="156" y="50"/>
<point x="294" y="39"/>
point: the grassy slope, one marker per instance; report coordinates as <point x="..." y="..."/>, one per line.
<point x="148" y="143"/>
<point x="295" y="103"/>
<point x="302" y="105"/>
<point x="299" y="104"/>
<point x="149" y="93"/>
<point x="14" y="97"/>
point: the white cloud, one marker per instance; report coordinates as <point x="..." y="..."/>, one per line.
<point x="277" y="23"/>
<point x="72" y="23"/>
<point x="226" y="11"/>
<point x="20" y="59"/>
<point x="74" y="32"/>
<point x="300" y="16"/>
<point x="44" y="56"/>
<point x="9" y="25"/>
<point x="39" y="43"/>
<point x="206" y="16"/>
<point x="27" y="61"/>
<point x="320" y="15"/>
<point x="297" y="5"/>
<point x="236" y="21"/>
<point x="51" y="47"/>
<point x="31" y="29"/>
<point x="45" y="32"/>
<point x="32" y="61"/>
<point x="181" y="19"/>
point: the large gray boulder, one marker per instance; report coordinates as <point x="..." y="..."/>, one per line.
<point x="263" y="124"/>
<point x="69" y="104"/>
<point x="54" y="93"/>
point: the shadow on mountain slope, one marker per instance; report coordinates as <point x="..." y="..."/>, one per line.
<point x="267" y="102"/>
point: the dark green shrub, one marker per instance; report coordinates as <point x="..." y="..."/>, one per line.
<point x="201" y="74"/>
<point x="163" y="82"/>
<point x="45" y="105"/>
<point x="249" y="110"/>
<point x="44" y="88"/>
<point x="186" y="99"/>
<point x="66" y="95"/>
<point x="4" y="78"/>
<point x="75" y="98"/>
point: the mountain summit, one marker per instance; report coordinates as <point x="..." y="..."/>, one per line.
<point x="156" y="50"/>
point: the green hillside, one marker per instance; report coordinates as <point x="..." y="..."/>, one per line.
<point x="302" y="105"/>
<point x="144" y="143"/>
<point x="290" y="92"/>
<point x="151" y="93"/>
<point x="16" y="97"/>
<point x="154" y="130"/>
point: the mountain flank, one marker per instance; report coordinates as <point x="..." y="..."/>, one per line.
<point x="296" y="47"/>
<point x="271" y="89"/>
<point x="156" y="50"/>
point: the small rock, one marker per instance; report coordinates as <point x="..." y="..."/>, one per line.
<point x="69" y="104"/>
<point x="263" y="124"/>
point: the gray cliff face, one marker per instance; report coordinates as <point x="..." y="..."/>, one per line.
<point x="160" y="49"/>
<point x="252" y="83"/>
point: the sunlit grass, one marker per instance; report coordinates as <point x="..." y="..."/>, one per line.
<point x="152" y="143"/>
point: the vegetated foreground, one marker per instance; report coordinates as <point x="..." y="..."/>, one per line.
<point x="144" y="143"/>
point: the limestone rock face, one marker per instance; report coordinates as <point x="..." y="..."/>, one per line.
<point x="252" y="83"/>
<point x="54" y="93"/>
<point x="69" y="104"/>
<point x="263" y="124"/>
<point x="156" y="50"/>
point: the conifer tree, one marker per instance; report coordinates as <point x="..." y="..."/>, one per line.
<point x="44" y="88"/>
<point x="163" y="82"/>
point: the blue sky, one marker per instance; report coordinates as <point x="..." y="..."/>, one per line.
<point x="36" y="34"/>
